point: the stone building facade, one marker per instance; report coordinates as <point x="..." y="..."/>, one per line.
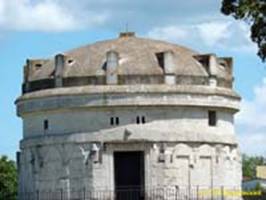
<point x="128" y="112"/>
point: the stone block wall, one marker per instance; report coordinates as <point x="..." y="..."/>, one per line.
<point x="184" y="165"/>
<point x="179" y="119"/>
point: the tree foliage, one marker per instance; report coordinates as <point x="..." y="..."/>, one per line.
<point x="249" y="164"/>
<point x="8" y="179"/>
<point x="254" y="12"/>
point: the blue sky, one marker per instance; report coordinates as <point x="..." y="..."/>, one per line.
<point x="35" y="28"/>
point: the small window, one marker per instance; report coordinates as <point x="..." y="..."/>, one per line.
<point x="117" y="120"/>
<point x="140" y="120"/>
<point x="143" y="121"/>
<point x="70" y="61"/>
<point x="137" y="120"/>
<point x="160" y="59"/>
<point x="38" y="65"/>
<point x="212" y="118"/>
<point x="114" y="121"/>
<point x="45" y="124"/>
<point x="111" y="121"/>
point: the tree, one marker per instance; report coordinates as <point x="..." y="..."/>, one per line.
<point x="249" y="164"/>
<point x="254" y="13"/>
<point x="8" y="179"/>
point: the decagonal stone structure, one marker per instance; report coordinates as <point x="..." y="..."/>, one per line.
<point x="128" y="112"/>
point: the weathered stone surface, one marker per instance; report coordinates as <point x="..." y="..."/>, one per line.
<point x="181" y="150"/>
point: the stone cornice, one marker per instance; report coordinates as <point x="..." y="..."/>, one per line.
<point x="135" y="89"/>
<point x="131" y="133"/>
<point x="126" y="96"/>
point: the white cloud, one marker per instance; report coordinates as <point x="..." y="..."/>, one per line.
<point x="216" y="34"/>
<point x="255" y="109"/>
<point x="213" y="32"/>
<point x="251" y="122"/>
<point x="253" y="143"/>
<point x="170" y="33"/>
<point x="141" y="15"/>
<point x="176" y="21"/>
<point x="47" y="15"/>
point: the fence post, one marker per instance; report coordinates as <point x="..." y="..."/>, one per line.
<point x="61" y="194"/>
<point x="84" y="193"/>
<point x="197" y="192"/>
<point x="222" y="192"/>
<point x="37" y="195"/>
<point x="176" y="189"/>
<point x="212" y="193"/>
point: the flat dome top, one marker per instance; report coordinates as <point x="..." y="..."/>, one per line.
<point x="137" y="56"/>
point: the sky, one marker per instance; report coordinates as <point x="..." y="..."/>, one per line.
<point x="43" y="28"/>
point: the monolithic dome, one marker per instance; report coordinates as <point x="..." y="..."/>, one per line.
<point x="127" y="113"/>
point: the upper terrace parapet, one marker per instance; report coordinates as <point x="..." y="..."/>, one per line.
<point x="128" y="60"/>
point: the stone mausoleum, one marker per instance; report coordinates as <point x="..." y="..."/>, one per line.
<point x="128" y="113"/>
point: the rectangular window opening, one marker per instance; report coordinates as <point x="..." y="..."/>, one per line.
<point x="143" y="121"/>
<point x="212" y="118"/>
<point x="111" y="121"/>
<point x="137" y="120"/>
<point x="45" y="124"/>
<point x="160" y="59"/>
<point x="117" y="120"/>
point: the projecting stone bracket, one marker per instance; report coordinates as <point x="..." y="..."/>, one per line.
<point x="85" y="153"/>
<point x="91" y="152"/>
<point x="36" y="159"/>
<point x="127" y="134"/>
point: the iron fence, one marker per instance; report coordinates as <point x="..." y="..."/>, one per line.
<point x="158" y="193"/>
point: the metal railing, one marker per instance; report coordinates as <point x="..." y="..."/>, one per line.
<point x="158" y="193"/>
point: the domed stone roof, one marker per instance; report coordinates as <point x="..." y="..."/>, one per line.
<point x="137" y="56"/>
<point x="133" y="60"/>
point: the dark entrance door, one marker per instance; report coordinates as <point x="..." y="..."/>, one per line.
<point x="129" y="175"/>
